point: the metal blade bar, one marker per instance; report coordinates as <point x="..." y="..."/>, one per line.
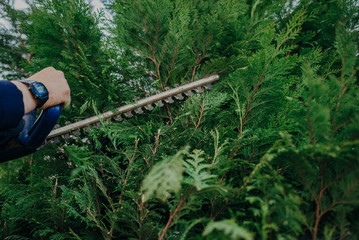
<point x="129" y="107"/>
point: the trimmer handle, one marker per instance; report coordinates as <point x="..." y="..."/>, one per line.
<point x="33" y="135"/>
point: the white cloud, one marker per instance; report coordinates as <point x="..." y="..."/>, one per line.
<point x="21" y="4"/>
<point x="96" y="3"/>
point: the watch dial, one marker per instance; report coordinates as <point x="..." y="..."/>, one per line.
<point x="41" y="90"/>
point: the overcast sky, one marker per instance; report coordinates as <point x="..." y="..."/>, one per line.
<point x="20" y="4"/>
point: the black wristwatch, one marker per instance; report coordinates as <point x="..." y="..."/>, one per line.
<point x="38" y="90"/>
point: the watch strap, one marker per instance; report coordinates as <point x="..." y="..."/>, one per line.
<point x="40" y="99"/>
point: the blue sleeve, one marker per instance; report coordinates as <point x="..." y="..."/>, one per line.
<point x="11" y="105"/>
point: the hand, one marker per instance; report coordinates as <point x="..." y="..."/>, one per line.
<point x="56" y="84"/>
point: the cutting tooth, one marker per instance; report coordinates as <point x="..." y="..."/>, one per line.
<point x="66" y="136"/>
<point x="179" y="96"/>
<point x="138" y="110"/>
<point x="57" y="126"/>
<point x="199" y="89"/>
<point x="176" y="85"/>
<point x="149" y="107"/>
<point x="167" y="88"/>
<point x="128" y="114"/>
<point x="98" y="125"/>
<point x="137" y="99"/>
<point x="77" y="132"/>
<point x="117" y="115"/>
<point x="56" y="140"/>
<point x="118" y="118"/>
<point x="189" y="93"/>
<point x="208" y="86"/>
<point x="160" y="103"/>
<point x="169" y="100"/>
<point x="87" y="129"/>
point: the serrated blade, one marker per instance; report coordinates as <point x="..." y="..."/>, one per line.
<point x="128" y="114"/>
<point x="139" y="110"/>
<point x="166" y="96"/>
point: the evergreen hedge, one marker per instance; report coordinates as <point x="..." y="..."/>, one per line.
<point x="272" y="152"/>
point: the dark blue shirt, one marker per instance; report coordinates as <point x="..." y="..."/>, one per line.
<point x="11" y="106"/>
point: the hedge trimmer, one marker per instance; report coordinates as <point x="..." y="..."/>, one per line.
<point x="38" y="131"/>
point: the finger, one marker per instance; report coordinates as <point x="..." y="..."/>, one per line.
<point x="66" y="103"/>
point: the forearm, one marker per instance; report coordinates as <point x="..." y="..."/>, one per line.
<point x="56" y="85"/>
<point x="16" y="98"/>
<point x="29" y="101"/>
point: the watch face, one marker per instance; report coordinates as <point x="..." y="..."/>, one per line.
<point x="40" y="90"/>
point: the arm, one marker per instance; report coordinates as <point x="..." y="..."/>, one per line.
<point x="29" y="101"/>
<point x="16" y="99"/>
<point x="56" y="84"/>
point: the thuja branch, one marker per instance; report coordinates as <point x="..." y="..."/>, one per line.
<point x="130" y="161"/>
<point x="245" y="184"/>
<point x="104" y="191"/>
<point x="96" y="197"/>
<point x="106" y="234"/>
<point x="250" y="102"/>
<point x="178" y="208"/>
<point x="306" y="184"/>
<point x="54" y="207"/>
<point x="201" y="114"/>
<point x="95" y="220"/>
<point x="341" y="95"/>
<point x="344" y="236"/>
<point x="172" y="65"/>
<point x="199" y="58"/>
<point x="154" y="150"/>
<point x="335" y="180"/>
<point x="319" y="213"/>
<point x="169" y="113"/>
<point x="310" y="126"/>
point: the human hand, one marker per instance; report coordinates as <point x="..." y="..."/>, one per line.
<point x="57" y="86"/>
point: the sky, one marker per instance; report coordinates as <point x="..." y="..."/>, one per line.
<point x="20" y="4"/>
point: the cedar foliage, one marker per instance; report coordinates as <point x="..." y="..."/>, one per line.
<point x="270" y="153"/>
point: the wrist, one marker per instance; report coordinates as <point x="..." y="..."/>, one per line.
<point x="30" y="102"/>
<point x="38" y="91"/>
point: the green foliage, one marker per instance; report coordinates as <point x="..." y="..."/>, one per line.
<point x="65" y="35"/>
<point x="197" y="171"/>
<point x="170" y="41"/>
<point x="270" y="153"/>
<point x="164" y="178"/>
<point x="273" y="202"/>
<point x="230" y="229"/>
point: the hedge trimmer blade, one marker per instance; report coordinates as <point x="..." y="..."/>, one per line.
<point x="129" y="110"/>
<point x="36" y="131"/>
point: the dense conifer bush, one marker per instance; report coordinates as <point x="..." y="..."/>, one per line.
<point x="272" y="152"/>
